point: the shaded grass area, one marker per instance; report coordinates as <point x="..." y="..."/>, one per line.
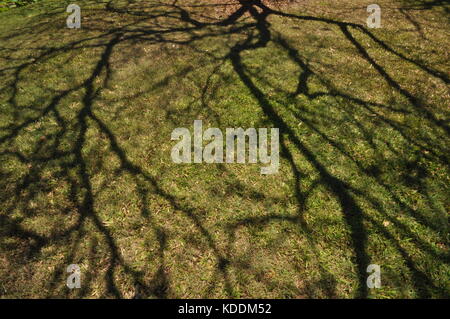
<point x="9" y="4"/>
<point x="87" y="178"/>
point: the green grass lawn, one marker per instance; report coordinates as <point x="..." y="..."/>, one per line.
<point x="86" y="175"/>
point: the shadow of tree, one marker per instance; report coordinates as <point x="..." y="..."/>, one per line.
<point x="248" y="29"/>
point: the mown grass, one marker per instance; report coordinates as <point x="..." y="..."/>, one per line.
<point x="87" y="178"/>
